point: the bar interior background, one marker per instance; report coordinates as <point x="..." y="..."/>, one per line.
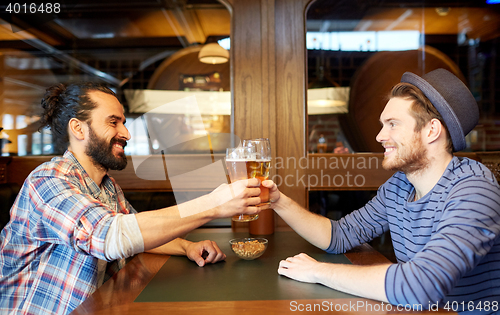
<point x="294" y="70"/>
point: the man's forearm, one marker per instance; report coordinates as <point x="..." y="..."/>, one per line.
<point x="364" y="281"/>
<point x="159" y="227"/>
<point x="175" y="247"/>
<point x="314" y="228"/>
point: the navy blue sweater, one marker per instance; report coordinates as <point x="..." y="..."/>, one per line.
<point x="447" y="243"/>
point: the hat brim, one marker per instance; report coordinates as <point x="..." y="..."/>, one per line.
<point x="442" y="106"/>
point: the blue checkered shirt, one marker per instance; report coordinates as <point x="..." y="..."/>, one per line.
<point x="50" y="248"/>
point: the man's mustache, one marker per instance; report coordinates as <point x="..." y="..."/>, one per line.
<point x="121" y="142"/>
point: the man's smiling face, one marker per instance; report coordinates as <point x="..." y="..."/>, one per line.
<point x="404" y="149"/>
<point x="107" y="132"/>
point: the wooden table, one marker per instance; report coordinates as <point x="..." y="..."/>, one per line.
<point x="160" y="284"/>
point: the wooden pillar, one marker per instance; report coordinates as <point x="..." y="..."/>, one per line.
<point x="253" y="70"/>
<point x="291" y="86"/>
<point x="268" y="68"/>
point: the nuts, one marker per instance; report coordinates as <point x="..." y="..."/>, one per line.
<point x="248" y="249"/>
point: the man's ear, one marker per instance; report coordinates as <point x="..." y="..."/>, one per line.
<point x="77" y="128"/>
<point x="434" y="130"/>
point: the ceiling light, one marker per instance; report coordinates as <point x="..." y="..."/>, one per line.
<point x="213" y="53"/>
<point x="441" y="11"/>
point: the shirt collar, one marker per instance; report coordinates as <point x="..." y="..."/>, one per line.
<point x="94" y="189"/>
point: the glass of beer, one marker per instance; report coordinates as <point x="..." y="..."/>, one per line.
<point x="261" y="162"/>
<point x="252" y="160"/>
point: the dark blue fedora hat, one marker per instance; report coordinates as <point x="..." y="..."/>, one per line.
<point x="452" y="99"/>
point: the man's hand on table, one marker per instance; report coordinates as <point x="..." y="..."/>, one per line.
<point x="204" y="252"/>
<point x="364" y="281"/>
<point x="299" y="267"/>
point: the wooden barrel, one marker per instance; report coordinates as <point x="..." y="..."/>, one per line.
<point x="372" y="84"/>
<point x="185" y="62"/>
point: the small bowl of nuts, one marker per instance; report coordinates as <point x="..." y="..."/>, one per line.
<point x="248" y="248"/>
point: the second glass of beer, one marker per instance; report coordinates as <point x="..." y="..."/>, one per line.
<point x="252" y="160"/>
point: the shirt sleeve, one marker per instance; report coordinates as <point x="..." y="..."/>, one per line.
<point x="63" y="214"/>
<point x="124" y="238"/>
<point x="465" y="234"/>
<point x="360" y="226"/>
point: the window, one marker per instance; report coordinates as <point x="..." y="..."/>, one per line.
<point x="365" y="47"/>
<point x="135" y="48"/>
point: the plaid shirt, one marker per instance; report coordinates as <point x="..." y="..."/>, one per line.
<point x="50" y="248"/>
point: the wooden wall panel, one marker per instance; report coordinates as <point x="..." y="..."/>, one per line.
<point x="250" y="108"/>
<point x="4" y="161"/>
<point x="291" y="92"/>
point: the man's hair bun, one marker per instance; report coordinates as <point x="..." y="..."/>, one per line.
<point x="51" y="104"/>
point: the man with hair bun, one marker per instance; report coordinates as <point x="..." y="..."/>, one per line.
<point x="71" y="218"/>
<point x="443" y="211"/>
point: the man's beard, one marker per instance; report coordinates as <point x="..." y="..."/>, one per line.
<point x="101" y="152"/>
<point x="409" y="159"/>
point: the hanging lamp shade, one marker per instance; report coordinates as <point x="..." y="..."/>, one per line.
<point x="213" y="53"/>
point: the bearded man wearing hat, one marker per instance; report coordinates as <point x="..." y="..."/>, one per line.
<point x="443" y="212"/>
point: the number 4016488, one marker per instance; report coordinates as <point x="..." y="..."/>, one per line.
<point x="26" y="8"/>
<point x="471" y="306"/>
